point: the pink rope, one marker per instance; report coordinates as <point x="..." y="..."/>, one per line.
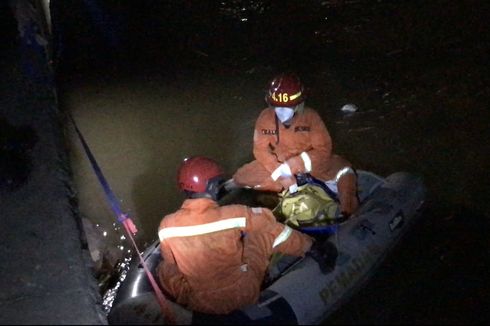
<point x="167" y="311"/>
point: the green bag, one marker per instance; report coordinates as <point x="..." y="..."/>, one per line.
<point x="309" y="206"/>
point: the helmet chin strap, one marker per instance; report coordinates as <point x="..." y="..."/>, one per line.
<point x="299" y="108"/>
<point x="212" y="190"/>
<point x="196" y="195"/>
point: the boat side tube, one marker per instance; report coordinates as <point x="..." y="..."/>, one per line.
<point x="362" y="244"/>
<point x="136" y="304"/>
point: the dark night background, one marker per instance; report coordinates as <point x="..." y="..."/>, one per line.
<point x="418" y="71"/>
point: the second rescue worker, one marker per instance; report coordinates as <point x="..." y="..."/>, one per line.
<point x="290" y="138"/>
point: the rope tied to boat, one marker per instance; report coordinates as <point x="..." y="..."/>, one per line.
<point x="129" y="227"/>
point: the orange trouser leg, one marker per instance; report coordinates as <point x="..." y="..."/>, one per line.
<point x="346" y="185"/>
<point x="347" y="191"/>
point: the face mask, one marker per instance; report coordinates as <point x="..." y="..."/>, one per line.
<point x="284" y="114"/>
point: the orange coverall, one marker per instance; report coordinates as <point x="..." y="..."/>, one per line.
<point x="215" y="258"/>
<point x="274" y="144"/>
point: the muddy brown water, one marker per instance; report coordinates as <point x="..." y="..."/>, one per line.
<point x="420" y="81"/>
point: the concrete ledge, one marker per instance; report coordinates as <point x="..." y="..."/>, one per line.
<point x="45" y="270"/>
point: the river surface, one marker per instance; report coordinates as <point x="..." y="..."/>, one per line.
<point x="417" y="71"/>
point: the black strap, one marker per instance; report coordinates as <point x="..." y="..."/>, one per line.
<point x="305" y="178"/>
<point x="277" y="128"/>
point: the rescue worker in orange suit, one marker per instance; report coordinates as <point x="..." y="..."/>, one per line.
<point x="290" y="138"/>
<point x="215" y="257"/>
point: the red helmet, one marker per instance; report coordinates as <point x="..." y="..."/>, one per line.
<point x="285" y="90"/>
<point x="195" y="173"/>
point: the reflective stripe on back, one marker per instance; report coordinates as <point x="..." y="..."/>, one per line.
<point x="187" y="231"/>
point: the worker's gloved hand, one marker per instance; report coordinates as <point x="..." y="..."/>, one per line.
<point x="325" y="254"/>
<point x="229" y="185"/>
<point x="289" y="182"/>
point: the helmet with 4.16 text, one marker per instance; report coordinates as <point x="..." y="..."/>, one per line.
<point x="199" y="174"/>
<point x="285" y="90"/>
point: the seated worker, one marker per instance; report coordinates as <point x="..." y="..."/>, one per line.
<point x="291" y="139"/>
<point x="216" y="257"/>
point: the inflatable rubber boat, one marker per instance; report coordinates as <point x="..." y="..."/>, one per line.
<point x="298" y="292"/>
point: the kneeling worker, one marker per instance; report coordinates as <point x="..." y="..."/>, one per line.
<point x="290" y="138"/>
<point x="215" y="257"/>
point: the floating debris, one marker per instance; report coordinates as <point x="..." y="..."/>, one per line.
<point x="360" y="129"/>
<point x="349" y="108"/>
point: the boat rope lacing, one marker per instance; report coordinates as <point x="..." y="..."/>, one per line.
<point x="129" y="227"/>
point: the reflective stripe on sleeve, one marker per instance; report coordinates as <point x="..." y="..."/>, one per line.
<point x="342" y="172"/>
<point x="286" y="232"/>
<point x="187" y="231"/>
<point x="282" y="170"/>
<point x="276" y="174"/>
<point x="307" y="161"/>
